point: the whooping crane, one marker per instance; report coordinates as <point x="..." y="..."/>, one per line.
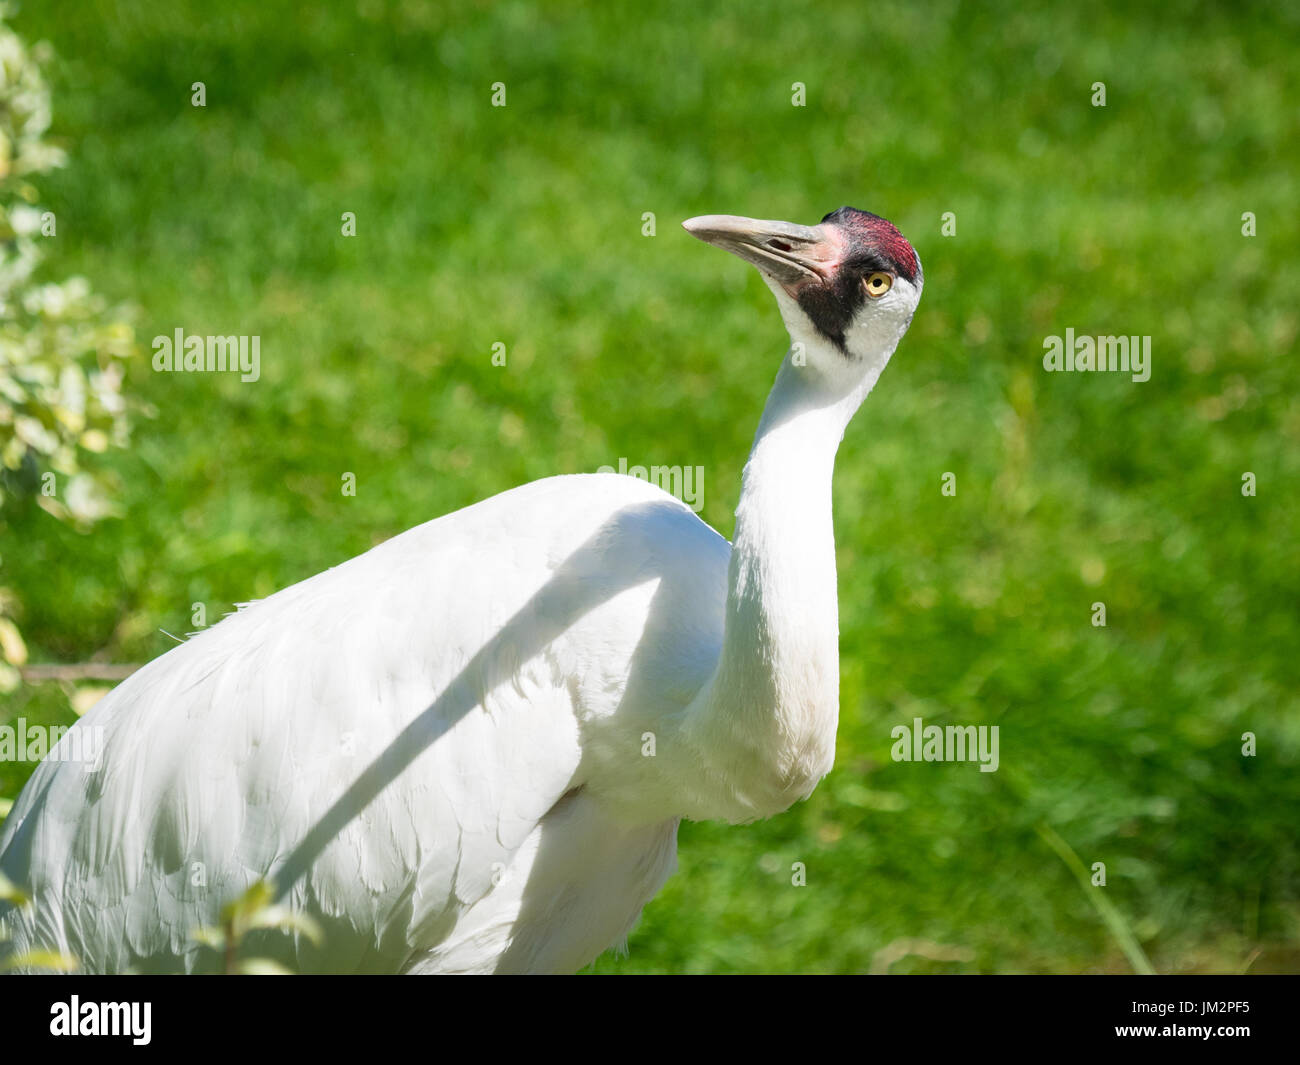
<point x="438" y="749"/>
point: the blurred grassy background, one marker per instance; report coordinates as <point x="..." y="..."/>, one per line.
<point x="523" y="225"/>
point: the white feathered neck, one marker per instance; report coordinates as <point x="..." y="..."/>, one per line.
<point x="773" y="700"/>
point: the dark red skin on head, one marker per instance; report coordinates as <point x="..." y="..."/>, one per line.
<point x="871" y="244"/>
<point x="869" y="233"/>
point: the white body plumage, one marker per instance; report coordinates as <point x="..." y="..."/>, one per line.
<point x="468" y="750"/>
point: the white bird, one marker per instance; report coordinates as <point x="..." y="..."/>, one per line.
<point x="469" y="749"/>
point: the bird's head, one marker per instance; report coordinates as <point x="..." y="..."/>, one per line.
<point x="847" y="287"/>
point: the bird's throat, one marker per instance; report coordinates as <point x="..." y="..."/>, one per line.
<point x="775" y="692"/>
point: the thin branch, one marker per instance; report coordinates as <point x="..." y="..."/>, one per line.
<point x="78" y="671"/>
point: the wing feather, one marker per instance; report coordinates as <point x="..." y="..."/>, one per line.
<point x="220" y="756"/>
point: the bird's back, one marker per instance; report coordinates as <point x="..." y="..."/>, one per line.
<point x="475" y="674"/>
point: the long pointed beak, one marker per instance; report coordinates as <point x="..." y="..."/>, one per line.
<point x="785" y="252"/>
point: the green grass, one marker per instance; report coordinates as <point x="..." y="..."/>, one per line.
<point x="523" y="225"/>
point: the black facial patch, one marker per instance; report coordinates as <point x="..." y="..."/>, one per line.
<point x="832" y="306"/>
<point x="872" y="244"/>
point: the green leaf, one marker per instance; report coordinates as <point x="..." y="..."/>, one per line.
<point x="288" y="920"/>
<point x="41" y="959"/>
<point x="210" y="937"/>
<point x="262" y="967"/>
<point x="239" y="912"/>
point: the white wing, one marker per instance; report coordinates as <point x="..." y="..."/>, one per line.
<point x="417" y="710"/>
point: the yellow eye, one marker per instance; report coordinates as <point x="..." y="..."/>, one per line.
<point x="878" y="284"/>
